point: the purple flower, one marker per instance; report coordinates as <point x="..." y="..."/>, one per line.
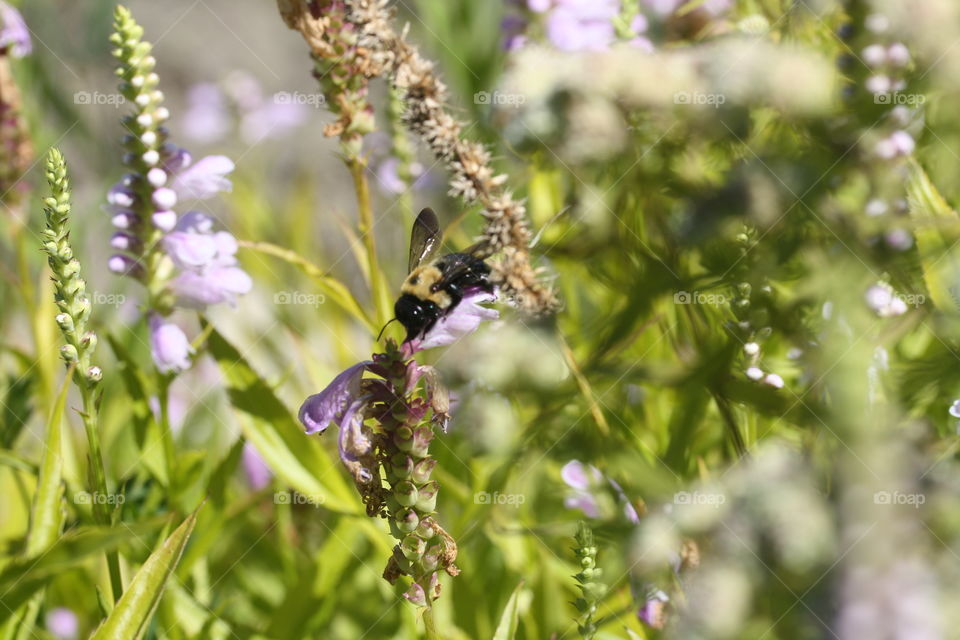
<point x="653" y="613"/>
<point x="14" y="34"/>
<point x="339" y="400"/>
<point x="256" y="469"/>
<point x="463" y="319"/>
<point x="62" y="623"/>
<point x="204" y="179"/>
<point x="343" y="403"/>
<point x="271" y="119"/>
<point x="583" y="479"/>
<point x="169" y="346"/>
<point x="207" y="118"/>
<point x="582" y="25"/>
<point x="217" y="285"/>
<point x="209" y="272"/>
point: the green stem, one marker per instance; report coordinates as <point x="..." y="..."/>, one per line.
<point x="358" y="171"/>
<point x="101" y="513"/>
<point x="430" y="629"/>
<point x="166" y="433"/>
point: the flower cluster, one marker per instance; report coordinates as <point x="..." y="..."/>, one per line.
<point x="390" y="460"/>
<point x="70" y="287"/>
<point x="182" y="261"/>
<point x="881" y="67"/>
<point x="378" y="50"/>
<point x="239" y="104"/>
<point x="595" y="25"/>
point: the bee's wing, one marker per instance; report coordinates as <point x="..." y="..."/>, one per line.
<point x="424" y="239"/>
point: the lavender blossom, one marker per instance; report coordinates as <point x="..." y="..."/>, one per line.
<point x="463" y="319"/>
<point x="653" y="613"/>
<point x="14" y="33"/>
<point x="62" y="623"/>
<point x="169" y="346"/>
<point x="586" y="482"/>
<point x="202" y="180"/>
<point x="582" y="25"/>
<point x="207" y="118"/>
<point x="255" y="467"/>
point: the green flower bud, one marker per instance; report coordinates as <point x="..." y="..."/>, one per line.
<point x="412" y="548"/>
<point x="406" y="520"/>
<point x="427" y="499"/>
<point x="422" y="470"/>
<point x="406" y="493"/>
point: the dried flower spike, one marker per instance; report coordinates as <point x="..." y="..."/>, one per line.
<point x="379" y="51"/>
<point x="16" y="149"/>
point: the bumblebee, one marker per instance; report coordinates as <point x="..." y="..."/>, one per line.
<point x="434" y="287"/>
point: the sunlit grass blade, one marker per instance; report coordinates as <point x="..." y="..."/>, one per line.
<point x="299" y="461"/>
<point x="132" y="614"/>
<point x="47" y="517"/>
<point x="937" y="229"/>
<point x="331" y="287"/>
<point x="507" y="629"/>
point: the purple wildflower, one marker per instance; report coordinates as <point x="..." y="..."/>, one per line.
<point x="653" y="613"/>
<point x="582" y="25"/>
<point x="583" y="479"/>
<point x="204" y="179"/>
<point x="585" y="482"/>
<point x="207" y="118"/>
<point x="255" y="467"/>
<point x="14" y="33"/>
<point x="209" y="274"/>
<point x="62" y="623"/>
<point x="340" y="399"/>
<point x="169" y="346"/>
<point x="463" y="319"/>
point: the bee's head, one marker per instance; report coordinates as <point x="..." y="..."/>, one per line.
<point x="415" y="314"/>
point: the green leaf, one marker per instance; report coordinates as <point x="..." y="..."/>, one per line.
<point x="296" y="459"/>
<point x="16" y="409"/>
<point x="47" y="513"/>
<point x="130" y="618"/>
<point x="23" y="577"/>
<point x="507" y="628"/>
<point x="46" y="518"/>
<point x="937" y="229"/>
